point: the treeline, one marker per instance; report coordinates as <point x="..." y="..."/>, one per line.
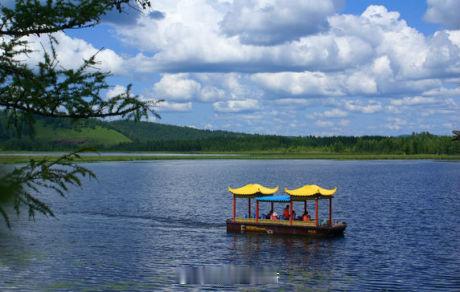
<point x="146" y="136"/>
<point x="417" y="143"/>
<point x="145" y="132"/>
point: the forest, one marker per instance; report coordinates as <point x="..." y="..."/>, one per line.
<point x="122" y="135"/>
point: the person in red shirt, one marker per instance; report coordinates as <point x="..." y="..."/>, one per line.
<point x="286" y="213"/>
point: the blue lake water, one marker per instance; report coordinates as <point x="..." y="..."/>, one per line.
<point x="141" y="221"/>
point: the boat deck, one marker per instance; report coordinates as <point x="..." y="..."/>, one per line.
<point x="244" y="225"/>
<point x="311" y="223"/>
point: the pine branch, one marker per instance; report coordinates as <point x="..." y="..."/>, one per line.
<point x="23" y="184"/>
<point x="35" y="17"/>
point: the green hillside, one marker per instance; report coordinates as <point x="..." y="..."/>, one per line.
<point x="64" y="134"/>
<point x="148" y="131"/>
<point x="96" y="135"/>
<point x="53" y="134"/>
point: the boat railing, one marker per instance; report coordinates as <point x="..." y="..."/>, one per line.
<point x="321" y="222"/>
<point x="334" y="222"/>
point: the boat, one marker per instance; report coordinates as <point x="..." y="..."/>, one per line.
<point x="311" y="227"/>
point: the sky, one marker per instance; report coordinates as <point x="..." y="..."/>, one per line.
<point x="297" y="67"/>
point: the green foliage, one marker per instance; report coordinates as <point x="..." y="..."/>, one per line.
<point x="21" y="186"/>
<point x="46" y="89"/>
<point x="49" y="89"/>
<point x="57" y="134"/>
<point x="156" y="137"/>
<point x="144" y="132"/>
<point x="44" y="17"/>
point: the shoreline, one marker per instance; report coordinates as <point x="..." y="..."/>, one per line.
<point x="22" y="157"/>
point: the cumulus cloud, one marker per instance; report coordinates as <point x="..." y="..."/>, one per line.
<point x="444" y="12"/>
<point x="324" y="123"/>
<point x="261" y="22"/>
<point x="373" y="63"/>
<point x="189" y="39"/>
<point x="443" y="91"/>
<point x="72" y="51"/>
<point x="298" y="83"/>
<point x="332" y="125"/>
<point x="375" y="53"/>
<point x="443" y="56"/>
<point x="334" y="113"/>
<point x="292" y="102"/>
<point x="176" y="87"/>
<point x="115" y="90"/>
<point x="234" y="106"/>
<point x="396" y="123"/>
<point x="369" y="107"/>
<point x="415" y="100"/>
<point x="168" y="106"/>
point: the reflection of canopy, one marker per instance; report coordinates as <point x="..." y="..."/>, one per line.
<point x="311" y="191"/>
<point x="253" y="189"/>
<point x="279" y="198"/>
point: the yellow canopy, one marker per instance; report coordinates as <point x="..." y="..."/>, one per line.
<point x="311" y="191"/>
<point x="253" y="189"/>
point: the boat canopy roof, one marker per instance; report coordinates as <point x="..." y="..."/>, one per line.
<point x="252" y="190"/>
<point x="278" y="198"/>
<point x="310" y="192"/>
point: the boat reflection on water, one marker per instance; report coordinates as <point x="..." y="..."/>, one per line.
<point x="226" y="275"/>
<point x="297" y="261"/>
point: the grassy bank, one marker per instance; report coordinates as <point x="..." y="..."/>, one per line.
<point x="11" y="158"/>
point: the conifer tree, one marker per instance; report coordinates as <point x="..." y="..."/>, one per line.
<point x="47" y="89"/>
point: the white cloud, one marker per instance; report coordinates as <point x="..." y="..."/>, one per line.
<point x="211" y="93"/>
<point x="332" y="125"/>
<point x="233" y="106"/>
<point x="443" y="91"/>
<point x="168" y="106"/>
<point x="293" y="102"/>
<point x="189" y="38"/>
<point x="396" y="123"/>
<point x="72" y="51"/>
<point x="430" y="112"/>
<point x="116" y="90"/>
<point x="364" y="63"/>
<point x="444" y="12"/>
<point x="176" y="87"/>
<point x="375" y="53"/>
<point x="454" y="36"/>
<point x="324" y="123"/>
<point x="335" y="113"/>
<point x="415" y="100"/>
<point x="299" y="83"/>
<point x="369" y="107"/>
<point x="263" y="22"/>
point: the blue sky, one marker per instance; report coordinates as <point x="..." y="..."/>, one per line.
<point x="293" y="67"/>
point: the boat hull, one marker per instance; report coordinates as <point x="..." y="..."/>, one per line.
<point x="278" y="229"/>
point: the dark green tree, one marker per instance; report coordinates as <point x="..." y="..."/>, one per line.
<point x="456" y="135"/>
<point x="47" y="89"/>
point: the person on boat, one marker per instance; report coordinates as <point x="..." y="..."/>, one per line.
<point x="269" y="215"/>
<point x="306" y="217"/>
<point x="286" y="213"/>
<point x="274" y="216"/>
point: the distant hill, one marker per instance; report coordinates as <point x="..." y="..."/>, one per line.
<point x="148" y="131"/>
<point x="52" y="134"/>
<point x="64" y="134"/>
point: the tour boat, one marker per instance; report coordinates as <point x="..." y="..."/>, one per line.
<point x="291" y="226"/>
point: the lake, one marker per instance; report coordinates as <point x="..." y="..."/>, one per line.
<point x="141" y="222"/>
